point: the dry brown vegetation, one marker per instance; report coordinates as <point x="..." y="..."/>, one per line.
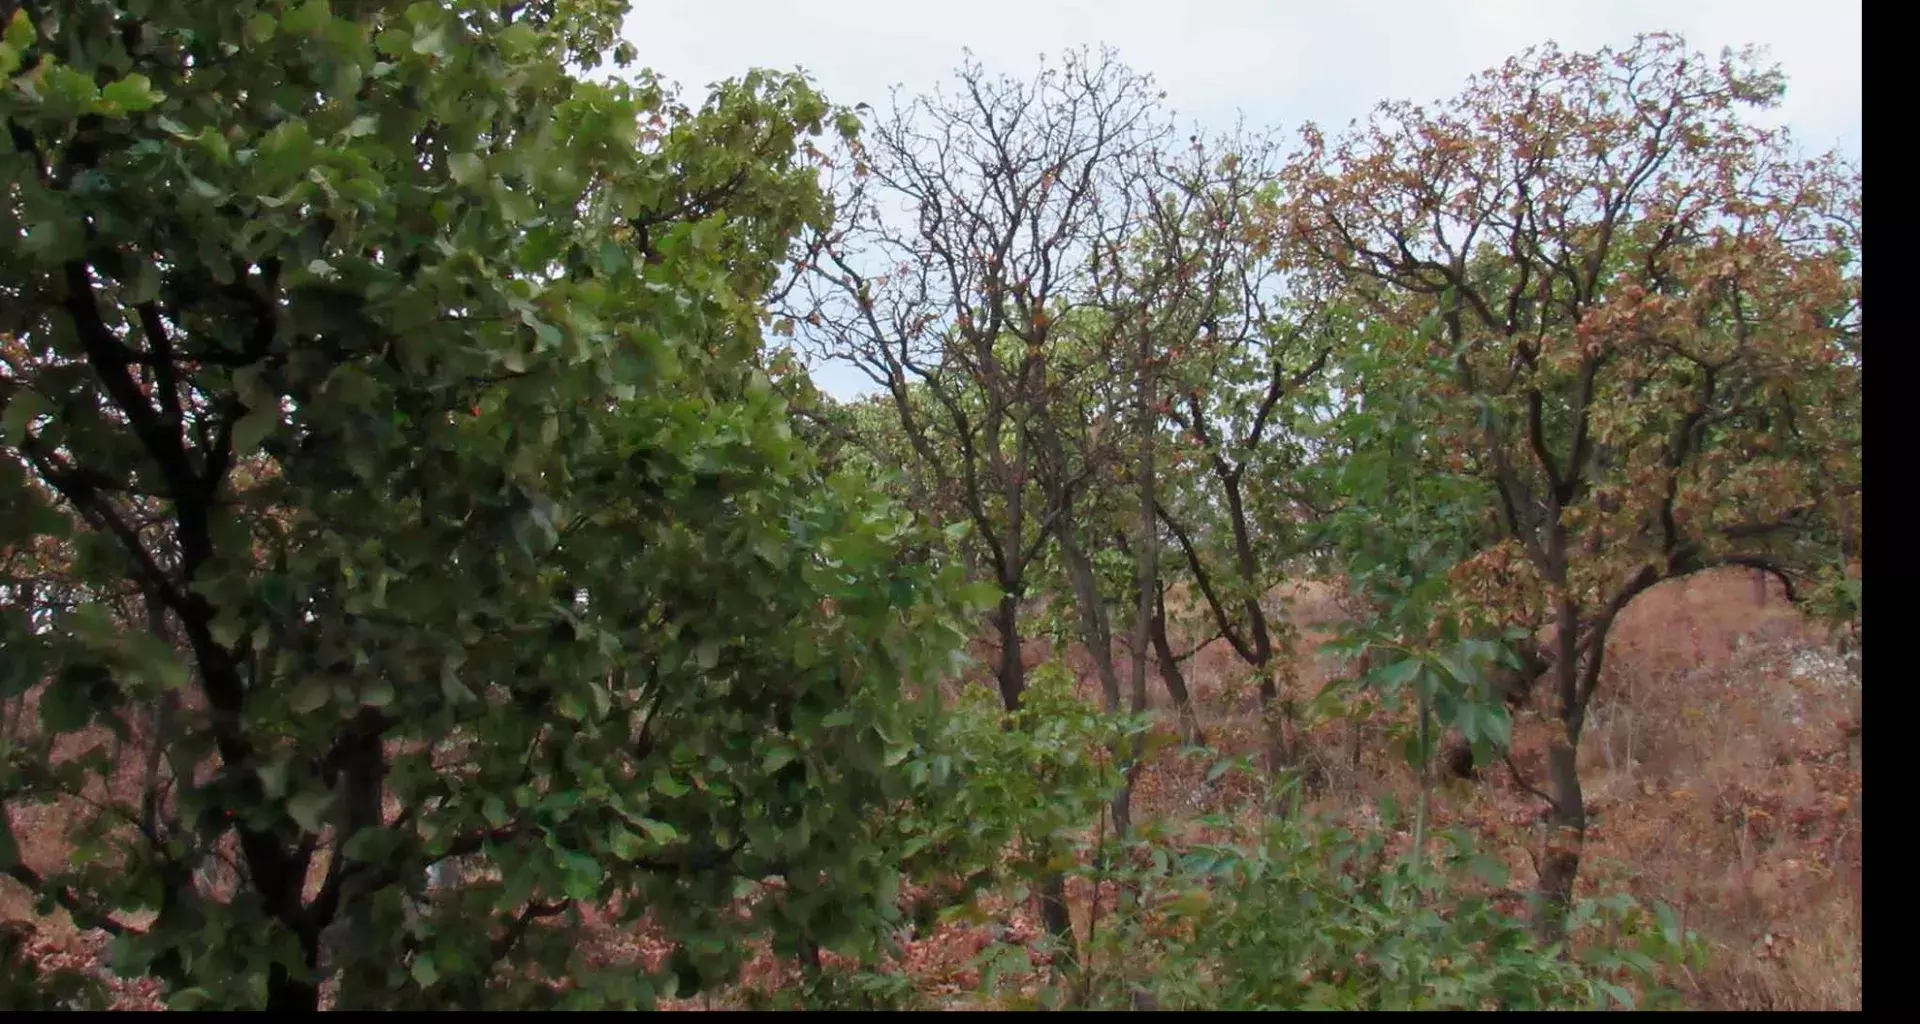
<point x="1723" y="768"/>
<point x="1722" y="765"/>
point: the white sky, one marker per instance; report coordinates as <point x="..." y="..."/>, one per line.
<point x="1279" y="62"/>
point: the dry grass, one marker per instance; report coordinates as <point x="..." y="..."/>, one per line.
<point x="1721" y="768"/>
<point x="1721" y="764"/>
<point x="1720" y="759"/>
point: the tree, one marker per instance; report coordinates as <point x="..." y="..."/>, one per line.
<point x="1184" y="300"/>
<point x="1234" y="374"/>
<point x="950" y="303"/>
<point x="1650" y="312"/>
<point x="388" y="474"/>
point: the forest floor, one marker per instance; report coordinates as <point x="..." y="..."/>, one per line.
<point x="1721" y="764"/>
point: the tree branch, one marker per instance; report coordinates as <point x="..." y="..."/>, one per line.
<point x="83" y="915"/>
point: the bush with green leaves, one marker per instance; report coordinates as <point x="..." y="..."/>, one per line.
<point x="1298" y="913"/>
<point x="998" y="803"/>
<point x="1008" y="797"/>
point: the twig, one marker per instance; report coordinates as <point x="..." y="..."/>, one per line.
<point x="517" y="928"/>
<point x="1093" y="908"/>
<point x="85" y="916"/>
<point x="1523" y="784"/>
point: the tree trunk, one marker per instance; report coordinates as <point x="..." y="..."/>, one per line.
<point x="1147" y="579"/>
<point x="1097" y="634"/>
<point x="1190" y="730"/>
<point x="1012" y="672"/>
<point x="1095" y="631"/>
<point x="1147" y="567"/>
<point x="1054" y="916"/>
<point x="1567" y="824"/>
<point x="1567" y="820"/>
<point x="1272" y="722"/>
<point x="1012" y="677"/>
<point x="363" y="970"/>
<point x="1122" y="806"/>
<point x="286" y="995"/>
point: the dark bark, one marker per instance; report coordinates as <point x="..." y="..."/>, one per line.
<point x="193" y="485"/>
<point x="1567" y="817"/>
<point x="1567" y="825"/>
<point x="1457" y="760"/>
<point x="1176" y="683"/>
<point x="1146" y="575"/>
<point x="363" y="772"/>
<point x="1011" y="674"/>
<point x="1255" y="646"/>
<point x="1053" y="914"/>
<point x="1097" y="633"/>
<point x="286" y="994"/>
<point x="1095" y="628"/>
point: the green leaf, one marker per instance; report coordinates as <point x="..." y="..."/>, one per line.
<point x="144" y="283"/>
<point x="658" y="831"/>
<point x="707" y="654"/>
<point x="22" y="409"/>
<point x="423" y="970"/>
<point x="453" y="689"/>
<point x="67" y="703"/>
<point x="1489" y="869"/>
<point x="625" y="844"/>
<point x="190" y="999"/>
<point x="252" y="429"/>
<point x="1669" y="921"/>
<point x="372" y="844"/>
<point x="1396" y="675"/>
<point x="309" y="696"/>
<point x="20" y="33"/>
<point x="1192" y="903"/>
<point x="309" y="808"/>
<point x="981" y="595"/>
<point x="582" y="875"/>
<point x="1618" y="995"/>
<point x="377" y="694"/>
<point x="467" y="168"/>
<point x="431" y="42"/>
<point x="668" y="785"/>
<point x="613" y="257"/>
<point x="273" y="777"/>
<point x="308" y="18"/>
<point x="132" y="94"/>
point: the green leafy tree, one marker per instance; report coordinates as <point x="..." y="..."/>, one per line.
<point x="391" y="484"/>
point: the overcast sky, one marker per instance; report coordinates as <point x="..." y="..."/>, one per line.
<point x="1278" y="62"/>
